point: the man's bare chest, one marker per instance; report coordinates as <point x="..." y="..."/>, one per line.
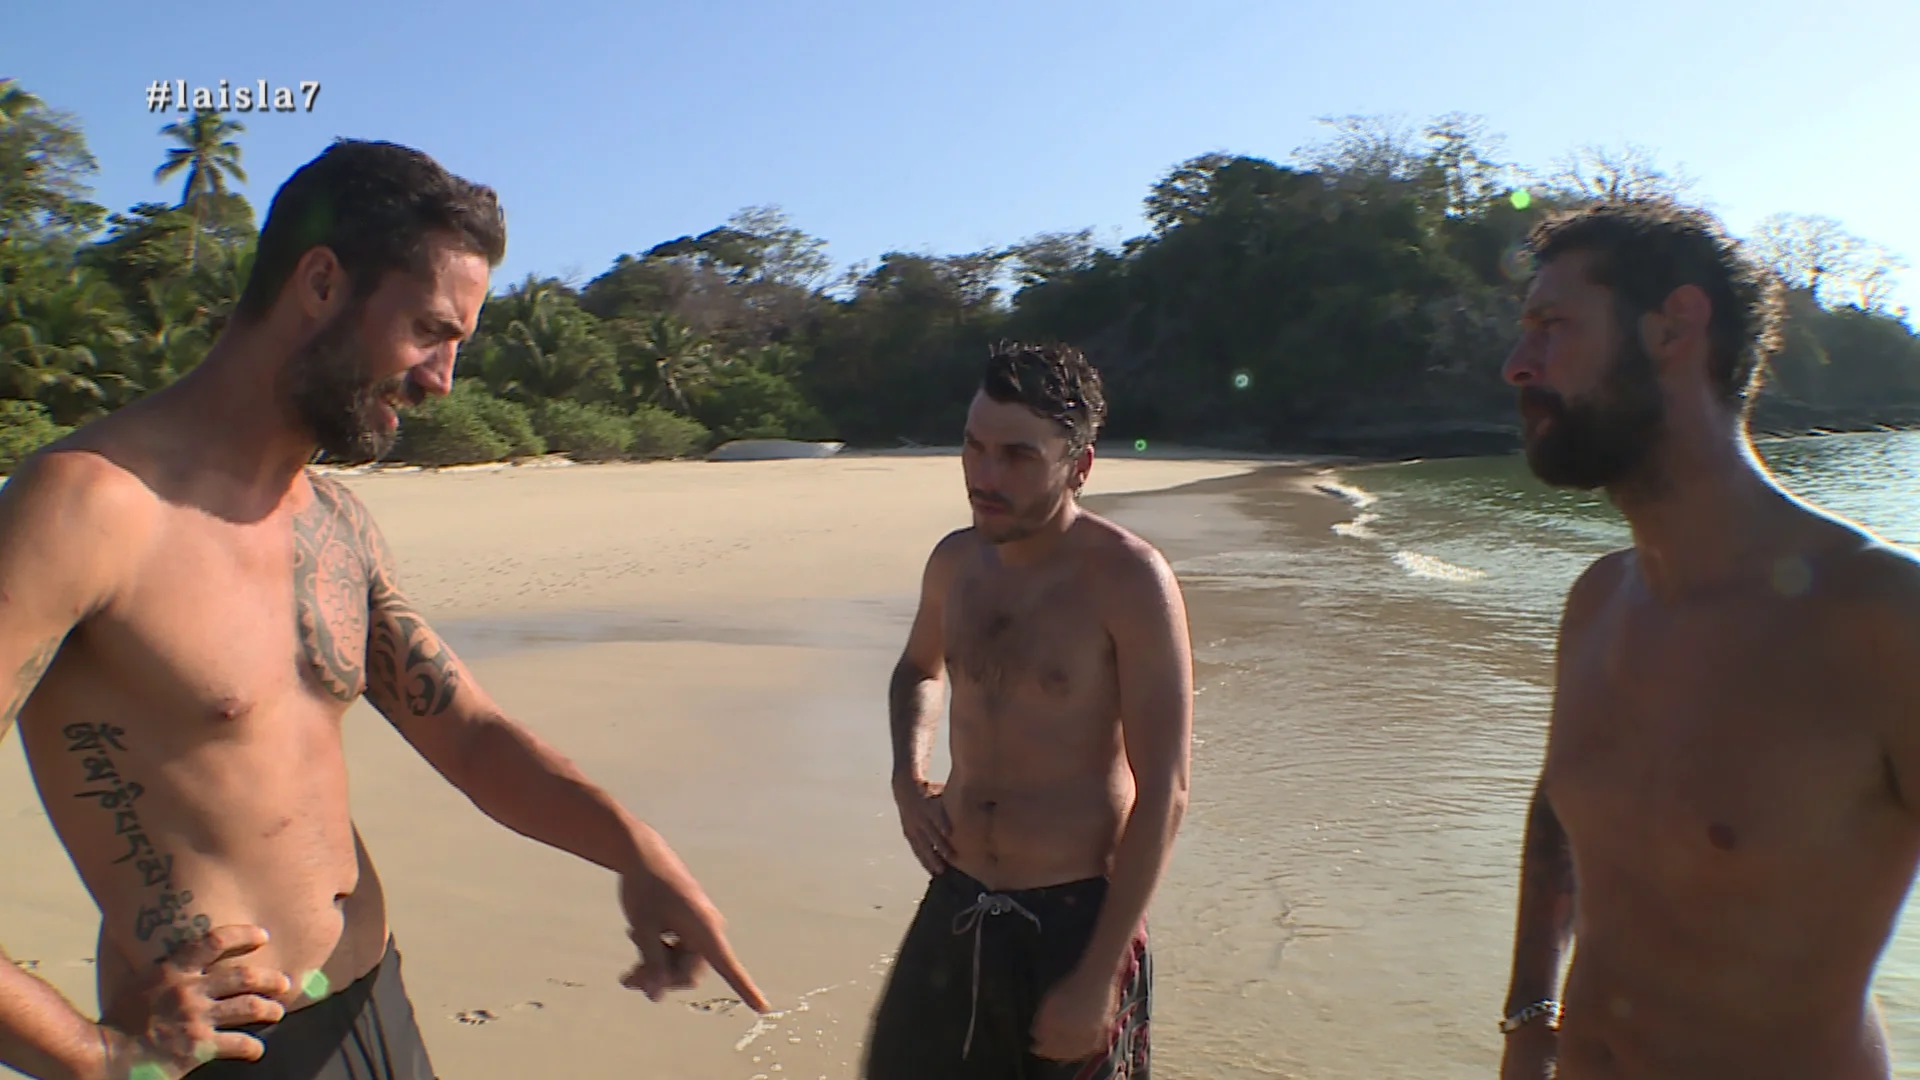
<point x="1714" y="742"/>
<point x="237" y="617"/>
<point x="1009" y="635"/>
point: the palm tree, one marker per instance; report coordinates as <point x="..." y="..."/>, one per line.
<point x="59" y="329"/>
<point x="167" y="335"/>
<point x="208" y="156"/>
<point x="665" y="361"/>
<point x="547" y="348"/>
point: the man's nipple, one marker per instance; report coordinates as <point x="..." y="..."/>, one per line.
<point x="1722" y="836"/>
<point x="229" y="709"/>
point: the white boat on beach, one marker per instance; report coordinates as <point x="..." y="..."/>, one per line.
<point x="772" y="450"/>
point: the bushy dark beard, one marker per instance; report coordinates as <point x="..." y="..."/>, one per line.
<point x="333" y="397"/>
<point x="1604" y="437"/>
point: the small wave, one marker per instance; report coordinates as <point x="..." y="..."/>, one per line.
<point x="1359" y="497"/>
<point x="1426" y="566"/>
<point x="1357" y="528"/>
<point x="1247" y="569"/>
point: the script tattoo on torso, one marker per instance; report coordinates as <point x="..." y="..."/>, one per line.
<point x="167" y="918"/>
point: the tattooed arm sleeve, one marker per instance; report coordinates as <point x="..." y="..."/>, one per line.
<point x="414" y="679"/>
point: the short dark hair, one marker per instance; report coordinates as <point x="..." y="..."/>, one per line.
<point x="1055" y="381"/>
<point x="375" y="205"/>
<point x="1643" y="249"/>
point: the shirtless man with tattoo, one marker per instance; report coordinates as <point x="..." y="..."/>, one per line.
<point x="1728" y="818"/>
<point x="1072" y="700"/>
<point x="186" y="613"/>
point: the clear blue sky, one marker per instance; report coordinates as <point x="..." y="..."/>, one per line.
<point x="608" y="127"/>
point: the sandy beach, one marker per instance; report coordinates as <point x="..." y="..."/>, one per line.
<point x="711" y="641"/>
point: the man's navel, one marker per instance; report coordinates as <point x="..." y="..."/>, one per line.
<point x="987" y="809"/>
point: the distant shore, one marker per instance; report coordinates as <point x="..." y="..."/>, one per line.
<point x="1376" y="446"/>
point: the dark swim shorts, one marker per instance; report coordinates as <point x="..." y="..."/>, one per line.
<point x="364" y="1032"/>
<point x="971" y="974"/>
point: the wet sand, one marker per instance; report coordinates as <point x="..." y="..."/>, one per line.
<point x="711" y="642"/>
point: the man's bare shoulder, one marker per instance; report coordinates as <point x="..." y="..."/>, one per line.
<point x="943" y="566"/>
<point x="333" y="496"/>
<point x="1602" y="575"/>
<point x="76" y="492"/>
<point x="1866" y="613"/>
<point x="1590" y="591"/>
<point x="74" y="530"/>
<point x="1862" y="578"/>
<point x="340" y="504"/>
<point x="960" y="541"/>
<point x="1127" y="566"/>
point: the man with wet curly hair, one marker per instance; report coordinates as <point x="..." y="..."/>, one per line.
<point x="1071" y="715"/>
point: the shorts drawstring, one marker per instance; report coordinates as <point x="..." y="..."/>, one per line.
<point x="974" y="919"/>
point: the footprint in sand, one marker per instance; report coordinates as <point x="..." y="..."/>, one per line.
<point x="569" y="983"/>
<point x="34" y="965"/>
<point x="715" y="1005"/>
<point x="488" y="1016"/>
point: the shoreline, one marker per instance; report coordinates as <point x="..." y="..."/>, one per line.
<point x="1355" y="451"/>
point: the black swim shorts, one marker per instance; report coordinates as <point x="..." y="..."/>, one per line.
<point x="364" y="1032"/>
<point x="971" y="974"/>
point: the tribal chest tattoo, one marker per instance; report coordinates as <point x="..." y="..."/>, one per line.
<point x="334" y="561"/>
<point x="357" y="632"/>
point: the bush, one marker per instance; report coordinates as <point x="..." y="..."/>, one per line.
<point x="25" y="427"/>
<point x="454" y="430"/>
<point x="658" y="433"/>
<point x="583" y="432"/>
<point x="755" y="404"/>
<point x="512" y="422"/>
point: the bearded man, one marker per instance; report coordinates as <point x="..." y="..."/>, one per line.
<point x="188" y="612"/>
<point x="1727" y="820"/>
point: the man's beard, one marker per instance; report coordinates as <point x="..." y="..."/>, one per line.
<point x="1603" y="438"/>
<point x="1015" y="523"/>
<point x="333" y="397"/>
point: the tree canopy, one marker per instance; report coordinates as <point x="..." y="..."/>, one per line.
<point x="1360" y="296"/>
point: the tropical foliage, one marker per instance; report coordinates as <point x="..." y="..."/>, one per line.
<point x="1359" y="296"/>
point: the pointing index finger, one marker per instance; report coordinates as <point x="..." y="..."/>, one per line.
<point x="727" y="966"/>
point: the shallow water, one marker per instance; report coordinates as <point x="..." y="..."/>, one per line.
<point x="1374" y="681"/>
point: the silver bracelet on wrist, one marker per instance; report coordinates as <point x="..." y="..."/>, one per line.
<point x="1548" y="1008"/>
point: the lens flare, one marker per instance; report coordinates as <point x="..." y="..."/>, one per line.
<point x="1139" y="445"/>
<point x="1521" y="199"/>
<point x="1516" y="263"/>
<point x="315" y="985"/>
<point x="1242" y="380"/>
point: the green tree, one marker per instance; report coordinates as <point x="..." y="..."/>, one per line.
<point x="44" y="167"/>
<point x="537" y="344"/>
<point x="662" y="361"/>
<point x="61" y="329"/>
<point x="209" y="156"/>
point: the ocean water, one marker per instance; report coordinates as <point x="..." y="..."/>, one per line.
<point x="1373" y="675"/>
